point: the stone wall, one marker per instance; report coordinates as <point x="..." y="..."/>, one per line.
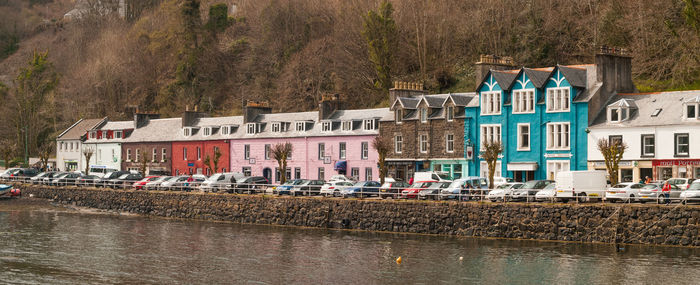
<point x="607" y="223"/>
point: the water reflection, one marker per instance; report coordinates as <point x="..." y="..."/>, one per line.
<point x="59" y="247"/>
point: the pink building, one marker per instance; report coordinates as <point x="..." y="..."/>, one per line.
<point x="327" y="142"/>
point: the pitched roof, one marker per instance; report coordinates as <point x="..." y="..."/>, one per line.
<point x="156" y="130"/>
<point x="537" y="77"/>
<point x="504" y="79"/>
<point x="462" y="99"/>
<point x="575" y="76"/>
<point x="78" y="129"/>
<point x="117" y="125"/>
<point x="670" y="103"/>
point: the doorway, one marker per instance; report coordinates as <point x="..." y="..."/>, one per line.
<point x="523" y="176"/>
<point x="267" y="173"/>
<point x="646" y="172"/>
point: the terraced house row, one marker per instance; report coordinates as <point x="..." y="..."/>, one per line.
<point x="548" y="118"/>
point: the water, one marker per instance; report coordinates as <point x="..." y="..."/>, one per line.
<point x="54" y="247"/>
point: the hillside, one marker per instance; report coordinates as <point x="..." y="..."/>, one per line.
<point x="169" y="54"/>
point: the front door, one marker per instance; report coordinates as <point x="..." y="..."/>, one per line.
<point x="267" y="173"/>
<point x="523" y="176"/>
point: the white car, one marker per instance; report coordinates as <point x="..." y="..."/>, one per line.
<point x="503" y="192"/>
<point x="498" y="181"/>
<point x="692" y="194"/>
<point x="547" y="194"/>
<point x="625" y="192"/>
<point x="332" y="188"/>
<point x="340" y="177"/>
<point x="683" y="183"/>
<point x="220" y="182"/>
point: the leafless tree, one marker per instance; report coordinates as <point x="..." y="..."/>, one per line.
<point x="281" y="152"/>
<point x="612" y="152"/>
<point x="213" y="163"/>
<point x="491" y="150"/>
<point x="383" y="147"/>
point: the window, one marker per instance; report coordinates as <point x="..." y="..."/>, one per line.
<point x="691" y="111"/>
<point x="369" y="124"/>
<point x="155" y="155"/>
<point x="423" y="143"/>
<point x="342" y="147"/>
<point x="347" y="126"/>
<point x="128" y="155"/>
<point x="399" y="115"/>
<point x="207" y="131"/>
<point x="365" y="150"/>
<point x="491" y="103"/>
<point x="199" y="153"/>
<point x="656" y="112"/>
<point x="288" y="173"/>
<point x="163" y="153"/>
<point x="613" y="140"/>
<point x="398" y="144"/>
<point x="267" y="151"/>
<point x="368" y="174"/>
<point x="523" y="137"/>
<point x="355" y="173"/>
<point x="276" y="128"/>
<point x="93" y="135"/>
<point x="450" y="113"/>
<point x="682" y="142"/>
<point x="247" y="171"/>
<point x="558" y="99"/>
<point x="648" y="145"/>
<point x="556" y="166"/>
<point x="297" y="172"/>
<point x="118" y="134"/>
<point x="300" y="126"/>
<point x="423" y="115"/>
<point x="321" y="151"/>
<point x="138" y="155"/>
<point x="184" y="153"/>
<point x="326" y="127"/>
<point x="450" y="143"/>
<point x="252" y="128"/>
<point x="558" y="136"/>
<point x="524" y="101"/>
<point x="490" y="133"/>
<point x="246" y="151"/>
<point x="321" y="173"/>
<point x="484" y="170"/>
<point x="614" y="115"/>
<point x="104" y="134"/>
<point x="187" y="132"/>
<point x="225" y="130"/>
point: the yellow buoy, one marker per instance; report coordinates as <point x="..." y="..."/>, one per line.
<point x="461" y="258"/>
<point x="398" y="260"/>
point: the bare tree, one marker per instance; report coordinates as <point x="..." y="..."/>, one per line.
<point x="143" y="158"/>
<point x="281" y="152"/>
<point x="213" y="163"/>
<point x="383" y="147"/>
<point x="7" y="149"/>
<point x="87" y="153"/>
<point x="490" y="152"/>
<point x="612" y="152"/>
<point x="45" y="151"/>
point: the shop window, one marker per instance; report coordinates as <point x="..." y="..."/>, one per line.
<point x="626" y="175"/>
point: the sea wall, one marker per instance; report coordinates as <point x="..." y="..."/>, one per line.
<point x="607" y="223"/>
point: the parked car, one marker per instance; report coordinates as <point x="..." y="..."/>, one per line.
<point x="682" y="183"/>
<point x="431" y="176"/>
<point x="340" y="177"/>
<point x="88" y="180"/>
<point x="308" y="188"/>
<point x="412" y="191"/>
<point x="549" y="193"/>
<point x="175" y="183"/>
<point x="582" y="185"/>
<point x="285" y="188"/>
<point x="139" y="185"/>
<point x="653" y="192"/>
<point x="49" y="178"/>
<point x="692" y="194"/>
<point x="503" y="192"/>
<point x="249" y="184"/>
<point x="332" y="188"/>
<point x="67" y="179"/>
<point x="529" y="189"/>
<point x="155" y="184"/>
<point x="433" y="190"/>
<point x="625" y="192"/>
<point x="392" y="189"/>
<point x="463" y="188"/>
<point x="104" y="181"/>
<point x="100" y="172"/>
<point x="124" y="180"/>
<point x="361" y="189"/>
<point x="5" y="175"/>
<point x="498" y="181"/>
<point x="40" y="177"/>
<point x="24" y="174"/>
<point x="220" y="181"/>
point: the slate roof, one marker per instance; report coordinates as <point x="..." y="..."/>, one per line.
<point x="117" y="125"/>
<point x="671" y="105"/>
<point x="156" y="130"/>
<point x="436" y="102"/>
<point x="79" y="129"/>
<point x="575" y="75"/>
<point x="505" y="79"/>
<point x="537" y="77"/>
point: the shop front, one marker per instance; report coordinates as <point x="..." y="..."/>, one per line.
<point x="629" y="170"/>
<point x="664" y="169"/>
<point x="401" y="169"/>
<point x="456" y="168"/>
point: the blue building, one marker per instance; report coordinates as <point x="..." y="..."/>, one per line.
<point x="541" y="115"/>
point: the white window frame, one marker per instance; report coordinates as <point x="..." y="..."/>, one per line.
<point x="557" y="134"/>
<point x="163" y="154"/>
<point x="138" y="155"/>
<point x="206" y="131"/>
<point x="484" y="169"/>
<point x="199" y="153"/>
<point x="342" y="150"/>
<point x="268" y="148"/>
<point x="557" y="98"/>
<point x="347" y="125"/>
<point x="644" y="145"/>
<point x="449" y="143"/>
<point x="364" y="148"/>
<point x="252" y="128"/>
<point x="490" y="133"/>
<point x="423" y="112"/>
<point x="276" y="127"/>
<point x="398" y="143"/>
<point x="326" y="126"/>
<point x="368" y="174"/>
<point x="128" y="155"/>
<point x="368" y="124"/>
<point x="321" y="173"/>
<point x="93" y="135"/>
<point x="398" y="116"/>
<point x="490" y="103"/>
<point x="423" y="143"/>
<point x="184" y="153"/>
<point x="556" y="166"/>
<point x="225" y="130"/>
<point x="685" y="110"/>
<point x="187" y="132"/>
<point x="155" y="155"/>
<point x="676" y="145"/>
<point x="520" y="137"/>
<point x="450" y="116"/>
<point x="117" y="134"/>
<point x="246" y="151"/>
<point x="523" y="101"/>
<point x="321" y="151"/>
<point x="300" y="126"/>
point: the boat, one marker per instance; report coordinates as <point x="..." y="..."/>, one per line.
<point x="6" y="190"/>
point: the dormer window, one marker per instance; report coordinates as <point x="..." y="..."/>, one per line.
<point x="276" y="127"/>
<point x="104" y="134"/>
<point x="347" y="126"/>
<point x="691" y="111"/>
<point x="225" y="130"/>
<point x="618" y="114"/>
<point x="450" y="113"/>
<point x="93" y="135"/>
<point x="399" y="115"/>
<point x="207" y="131"/>
<point x="369" y="125"/>
<point x="252" y="128"/>
<point x="326" y="126"/>
<point x="300" y="126"/>
<point x="118" y="134"/>
<point x="423" y="115"/>
<point x="187" y="132"/>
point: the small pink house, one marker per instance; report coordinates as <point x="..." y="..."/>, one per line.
<point x="325" y="143"/>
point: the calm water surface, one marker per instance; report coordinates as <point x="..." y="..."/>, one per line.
<point x="49" y="247"/>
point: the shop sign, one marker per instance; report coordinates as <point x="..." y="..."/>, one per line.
<point x="621" y="163"/>
<point x="550" y="155"/>
<point x="470" y="152"/>
<point x="672" y="162"/>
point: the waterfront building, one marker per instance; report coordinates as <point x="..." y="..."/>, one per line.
<point x="150" y="143"/>
<point x="661" y="131"/>
<point x="198" y="137"/>
<point x="69" y="145"/>
<point x="105" y="140"/>
<point x="426" y="131"/>
<point x="542" y="115"/>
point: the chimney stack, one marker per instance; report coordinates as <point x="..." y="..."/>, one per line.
<point x="405" y="89"/>
<point x="488" y="62"/>
<point x="329" y="104"/>
<point x="189" y="118"/>
<point x="252" y="109"/>
<point x="141" y="119"/>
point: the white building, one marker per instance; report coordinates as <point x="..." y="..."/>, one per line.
<point x="105" y="140"/>
<point x="661" y="130"/>
<point x="69" y="143"/>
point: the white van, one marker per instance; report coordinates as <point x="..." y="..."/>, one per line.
<point x="582" y="185"/>
<point x="432" y="176"/>
<point x="100" y="171"/>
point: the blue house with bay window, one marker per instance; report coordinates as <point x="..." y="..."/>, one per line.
<point x="541" y="115"/>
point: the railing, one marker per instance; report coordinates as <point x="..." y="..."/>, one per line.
<point x="368" y="192"/>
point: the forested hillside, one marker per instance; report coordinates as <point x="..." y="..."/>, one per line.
<point x="169" y="54"/>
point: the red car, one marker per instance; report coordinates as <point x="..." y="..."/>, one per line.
<point x="412" y="192"/>
<point x="138" y="185"/>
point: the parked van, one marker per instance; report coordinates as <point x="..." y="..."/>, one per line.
<point x="100" y="171"/>
<point x="432" y="176"/>
<point x="582" y="185"/>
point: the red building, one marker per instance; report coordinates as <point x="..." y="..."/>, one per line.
<point x="189" y="156"/>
